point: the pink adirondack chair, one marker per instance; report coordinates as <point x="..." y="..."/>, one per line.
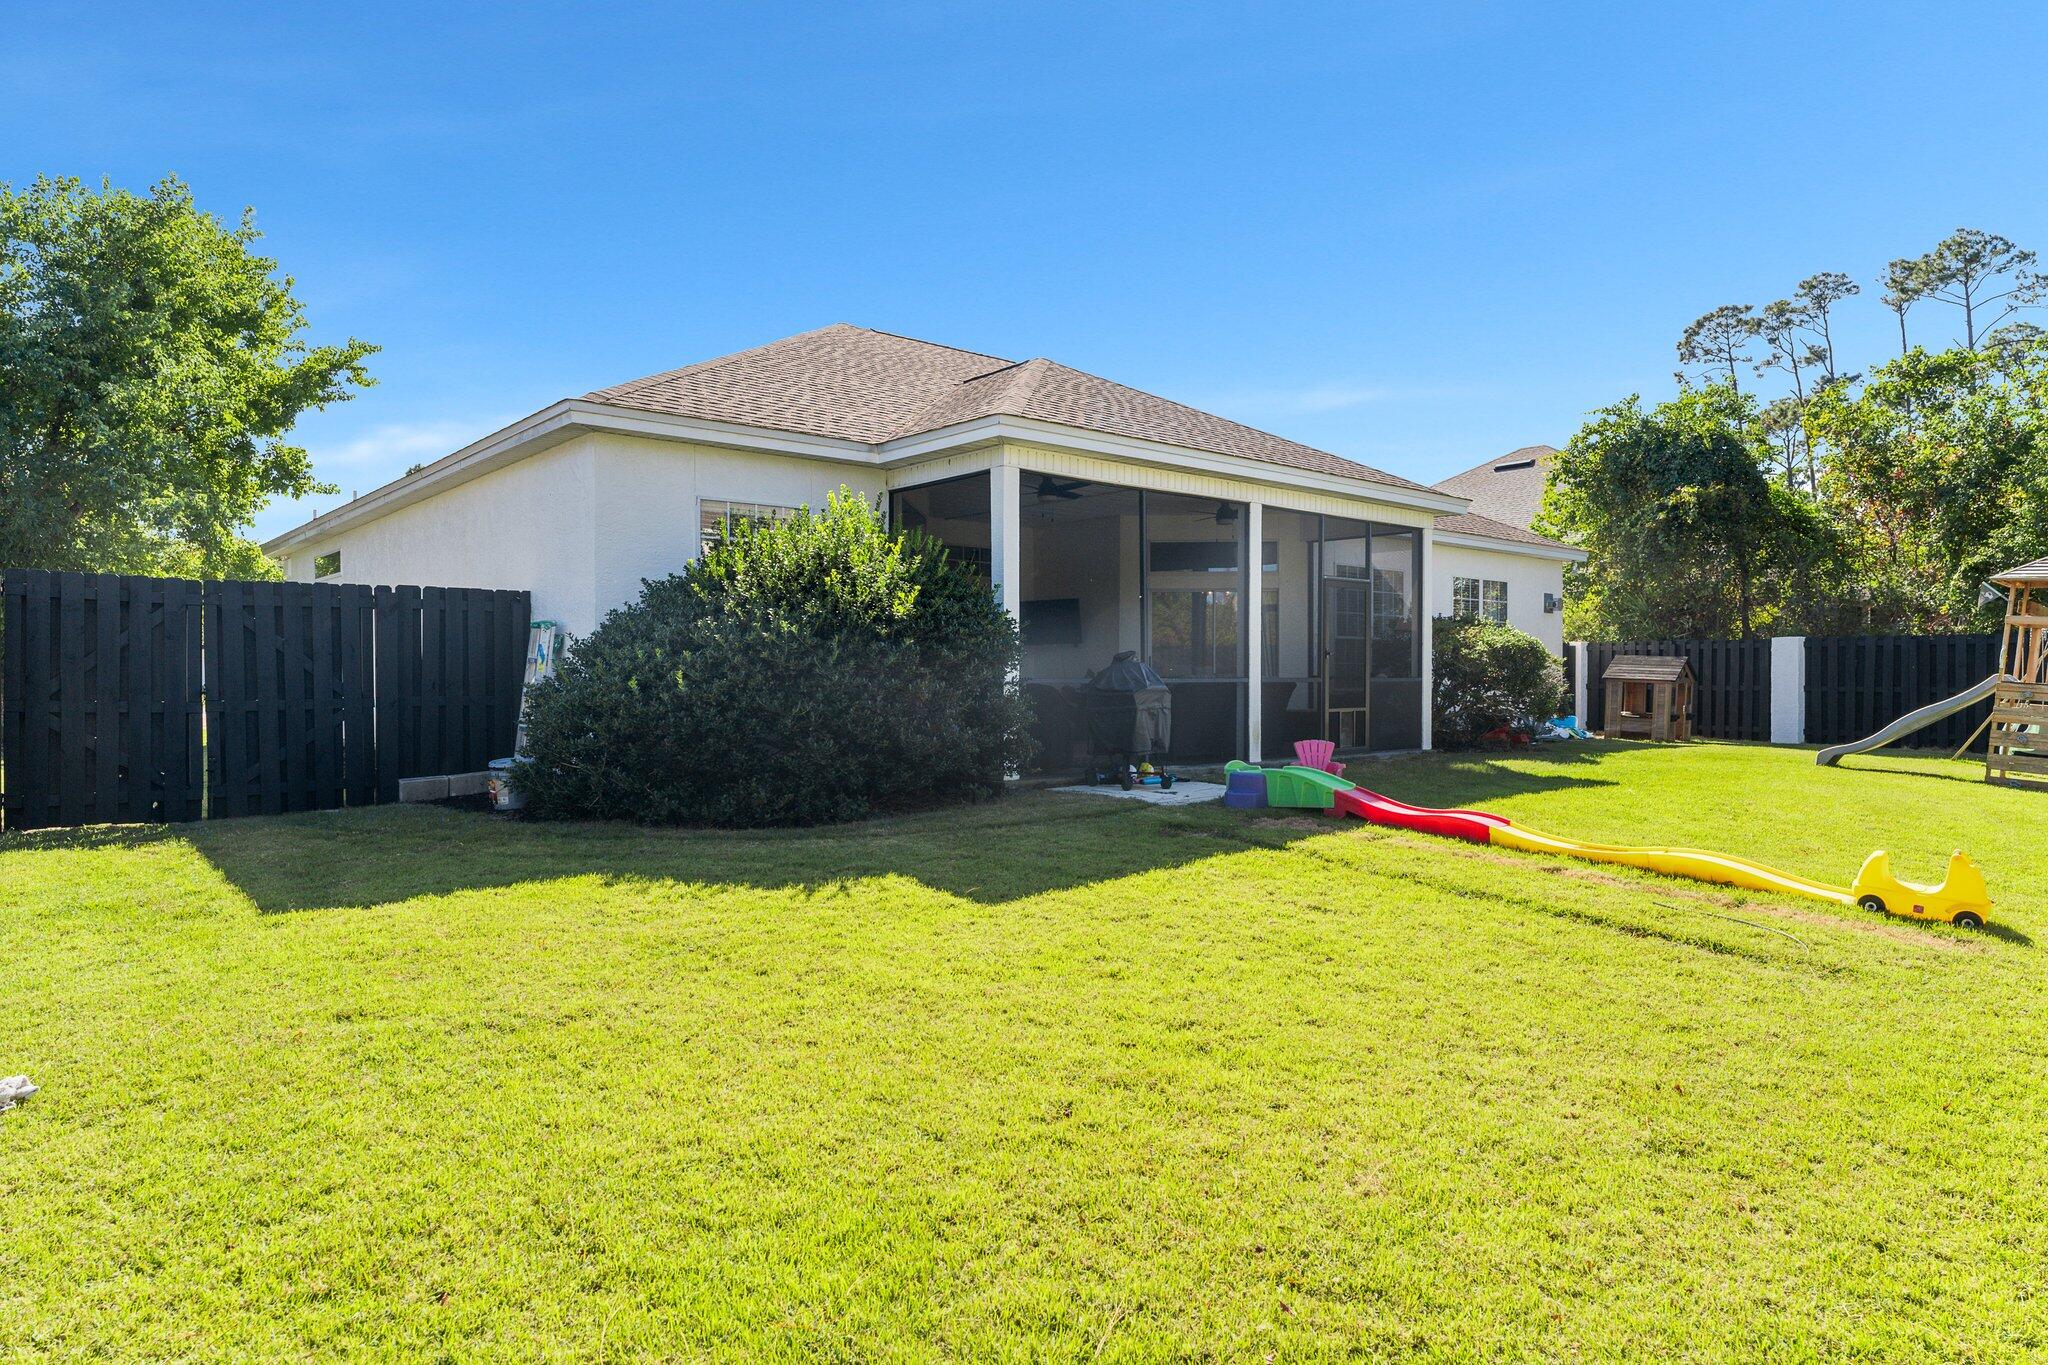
<point x="1315" y="753"/>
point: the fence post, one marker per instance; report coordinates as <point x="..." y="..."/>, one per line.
<point x="1578" y="649"/>
<point x="1788" y="689"/>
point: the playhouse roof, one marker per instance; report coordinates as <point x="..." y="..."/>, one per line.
<point x="1645" y="668"/>
<point x="2026" y="574"/>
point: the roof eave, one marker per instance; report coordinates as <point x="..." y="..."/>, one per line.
<point x="562" y="420"/>
<point x="926" y="445"/>
<point x="549" y="427"/>
<point x="1562" y="553"/>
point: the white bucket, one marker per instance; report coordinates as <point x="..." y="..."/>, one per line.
<point x="503" y="797"/>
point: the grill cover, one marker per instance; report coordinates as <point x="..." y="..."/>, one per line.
<point x="1130" y="710"/>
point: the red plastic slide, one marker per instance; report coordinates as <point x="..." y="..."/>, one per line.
<point x="1470" y="825"/>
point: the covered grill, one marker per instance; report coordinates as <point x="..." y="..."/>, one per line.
<point x="1130" y="714"/>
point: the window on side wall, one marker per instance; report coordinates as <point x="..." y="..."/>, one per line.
<point x="1493" y="593"/>
<point x="1465" y="597"/>
<point x="716" y="517"/>
<point x="327" y="565"/>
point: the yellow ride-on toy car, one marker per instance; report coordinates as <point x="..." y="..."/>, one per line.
<point x="1962" y="898"/>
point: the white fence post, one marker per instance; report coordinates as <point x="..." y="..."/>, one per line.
<point x="1578" y="649"/>
<point x="1788" y="689"/>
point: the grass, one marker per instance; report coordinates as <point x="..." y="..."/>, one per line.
<point x="1060" y="1077"/>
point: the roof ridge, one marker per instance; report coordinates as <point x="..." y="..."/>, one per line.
<point x="699" y="365"/>
<point x="939" y="345"/>
<point x="1212" y="416"/>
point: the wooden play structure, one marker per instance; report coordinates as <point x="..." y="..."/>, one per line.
<point x="2018" y="751"/>
<point x="1649" y="697"/>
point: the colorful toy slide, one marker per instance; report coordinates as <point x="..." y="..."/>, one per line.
<point x="1961" y="899"/>
<point x="1911" y="721"/>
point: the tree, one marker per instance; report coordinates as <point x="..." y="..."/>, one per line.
<point x="150" y="366"/>
<point x="1818" y="295"/>
<point x="1980" y="272"/>
<point x="1686" y="533"/>
<point x="1784" y="427"/>
<point x="1783" y="325"/>
<point x="1938" y="474"/>
<point x="1905" y="284"/>
<point x="1720" y="340"/>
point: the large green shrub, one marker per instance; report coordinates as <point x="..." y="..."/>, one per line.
<point x="1489" y="675"/>
<point x="814" y="671"/>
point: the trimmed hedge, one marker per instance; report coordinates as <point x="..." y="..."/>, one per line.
<point x="1489" y="675"/>
<point x="813" y="671"/>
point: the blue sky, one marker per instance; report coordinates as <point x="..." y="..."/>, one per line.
<point x="1416" y="237"/>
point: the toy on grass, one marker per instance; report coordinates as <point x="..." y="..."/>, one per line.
<point x="1316" y="753"/>
<point x="1245" y="789"/>
<point x="1961" y="899"/>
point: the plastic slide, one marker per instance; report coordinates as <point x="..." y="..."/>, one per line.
<point x="1961" y="899"/>
<point x="1911" y="721"/>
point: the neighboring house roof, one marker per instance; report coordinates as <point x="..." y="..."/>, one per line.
<point x="1645" y="668"/>
<point x="854" y="384"/>
<point x="1472" y="524"/>
<point x="1508" y="488"/>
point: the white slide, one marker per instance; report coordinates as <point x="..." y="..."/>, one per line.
<point x="1911" y="721"/>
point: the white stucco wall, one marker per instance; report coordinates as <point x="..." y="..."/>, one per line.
<point x="527" y="525"/>
<point x="579" y="526"/>
<point x="1527" y="577"/>
<point x="648" y="493"/>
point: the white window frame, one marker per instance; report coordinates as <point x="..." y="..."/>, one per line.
<point x="1494" y="607"/>
<point x="1483" y="599"/>
<point x="724" y="509"/>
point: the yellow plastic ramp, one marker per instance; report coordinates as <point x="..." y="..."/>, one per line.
<point x="1698" y="864"/>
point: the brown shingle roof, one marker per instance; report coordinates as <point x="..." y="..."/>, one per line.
<point x="1472" y="524"/>
<point x="2034" y="571"/>
<point x="1508" y="488"/>
<point x="1645" y="668"/>
<point x="861" y="385"/>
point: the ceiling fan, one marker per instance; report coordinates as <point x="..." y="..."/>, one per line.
<point x="1049" y="487"/>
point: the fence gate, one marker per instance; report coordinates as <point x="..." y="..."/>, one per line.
<point x="150" y="699"/>
<point x="1731" y="684"/>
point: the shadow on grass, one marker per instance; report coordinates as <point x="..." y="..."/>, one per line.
<point x="1022" y="845"/>
<point x="1457" y="779"/>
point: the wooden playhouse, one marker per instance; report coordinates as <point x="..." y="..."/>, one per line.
<point x="1647" y="697"/>
<point x="2018" y="748"/>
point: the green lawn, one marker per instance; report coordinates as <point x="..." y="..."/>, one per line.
<point x="1060" y="1077"/>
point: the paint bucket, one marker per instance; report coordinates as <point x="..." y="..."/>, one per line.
<point x="503" y="797"/>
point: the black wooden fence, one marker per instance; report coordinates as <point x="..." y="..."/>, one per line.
<point x="1856" y="684"/>
<point x="1731" y="684"/>
<point x="312" y="695"/>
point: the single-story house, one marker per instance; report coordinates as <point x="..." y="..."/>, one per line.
<point x="1488" y="561"/>
<point x="1106" y="519"/>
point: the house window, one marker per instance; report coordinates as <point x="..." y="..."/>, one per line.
<point x="716" y="518"/>
<point x="1482" y="597"/>
<point x="327" y="565"/>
